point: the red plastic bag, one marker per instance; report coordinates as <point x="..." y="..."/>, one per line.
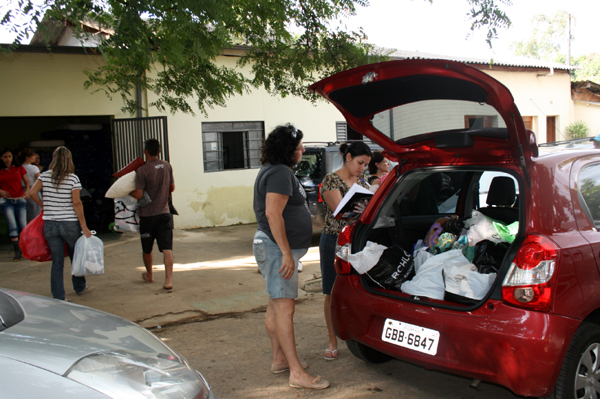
<point x="132" y="166"/>
<point x="32" y="241"/>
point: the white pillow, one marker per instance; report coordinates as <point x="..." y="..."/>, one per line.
<point x="122" y="187"/>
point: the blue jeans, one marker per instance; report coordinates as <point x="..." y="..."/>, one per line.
<point x="327" y="246"/>
<point x="58" y="234"/>
<point x="15" y="212"/>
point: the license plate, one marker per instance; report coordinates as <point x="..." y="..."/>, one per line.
<point x="409" y="336"/>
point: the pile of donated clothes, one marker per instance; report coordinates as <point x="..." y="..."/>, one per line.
<point x="456" y="261"/>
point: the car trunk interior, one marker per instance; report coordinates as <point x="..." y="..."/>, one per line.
<point x="424" y="197"/>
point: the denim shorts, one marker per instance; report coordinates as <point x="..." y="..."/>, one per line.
<point x="268" y="257"/>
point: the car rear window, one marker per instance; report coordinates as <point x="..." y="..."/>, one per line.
<point x="588" y="187"/>
<point x="309" y="166"/>
<point x="436" y="116"/>
<point x="434" y="194"/>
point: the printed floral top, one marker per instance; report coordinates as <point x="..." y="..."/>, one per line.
<point x="332" y="181"/>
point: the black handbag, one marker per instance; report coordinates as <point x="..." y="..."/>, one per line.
<point x="172" y="209"/>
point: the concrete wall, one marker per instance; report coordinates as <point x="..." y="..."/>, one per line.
<point x="539" y="97"/>
<point x="225" y="198"/>
<point x="52" y="85"/>
<point x="588" y="112"/>
<point x="37" y="84"/>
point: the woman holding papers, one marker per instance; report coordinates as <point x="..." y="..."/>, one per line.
<point x="283" y="237"/>
<point x="334" y="187"/>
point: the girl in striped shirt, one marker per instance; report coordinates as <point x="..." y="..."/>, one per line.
<point x="63" y="217"/>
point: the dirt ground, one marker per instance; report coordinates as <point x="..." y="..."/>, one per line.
<point x="234" y="355"/>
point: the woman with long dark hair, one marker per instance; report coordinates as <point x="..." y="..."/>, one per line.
<point x="334" y="186"/>
<point x="13" y="198"/>
<point x="283" y="237"/>
<point x="378" y="168"/>
<point x="63" y="217"/>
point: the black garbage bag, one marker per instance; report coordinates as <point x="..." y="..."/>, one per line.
<point x="488" y="256"/>
<point x="394" y="267"/>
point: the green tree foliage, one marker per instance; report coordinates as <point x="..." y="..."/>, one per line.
<point x="170" y="47"/>
<point x="589" y="68"/>
<point x="548" y="43"/>
<point x="549" y="36"/>
<point x="591" y="192"/>
<point x="488" y="14"/>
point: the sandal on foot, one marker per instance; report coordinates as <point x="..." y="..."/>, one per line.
<point x="281" y="369"/>
<point x="145" y="279"/>
<point x="317" y="383"/>
<point x="333" y="354"/>
<point x="168" y="289"/>
<point x="86" y="289"/>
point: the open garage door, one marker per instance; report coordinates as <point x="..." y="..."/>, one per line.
<point x="89" y="139"/>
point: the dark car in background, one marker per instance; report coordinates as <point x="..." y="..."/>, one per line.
<point x="536" y="327"/>
<point x="319" y="159"/>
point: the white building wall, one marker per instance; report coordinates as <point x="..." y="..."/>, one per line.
<point x="539" y="97"/>
<point x="588" y="112"/>
<point x="226" y="197"/>
<point x="53" y="85"/>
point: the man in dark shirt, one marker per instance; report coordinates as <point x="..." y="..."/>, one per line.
<point x="155" y="177"/>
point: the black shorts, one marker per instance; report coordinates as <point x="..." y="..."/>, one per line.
<point x="159" y="227"/>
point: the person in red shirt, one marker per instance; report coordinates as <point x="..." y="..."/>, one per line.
<point x="13" y="198"/>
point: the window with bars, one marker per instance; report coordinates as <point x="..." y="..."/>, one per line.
<point x="232" y="145"/>
<point x="343" y="132"/>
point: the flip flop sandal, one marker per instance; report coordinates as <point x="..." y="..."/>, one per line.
<point x="333" y="354"/>
<point x="317" y="383"/>
<point x="145" y="279"/>
<point x="168" y="289"/>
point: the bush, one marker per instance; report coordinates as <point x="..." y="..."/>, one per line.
<point x="578" y="130"/>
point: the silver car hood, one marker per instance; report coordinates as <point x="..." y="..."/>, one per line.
<point x="55" y="334"/>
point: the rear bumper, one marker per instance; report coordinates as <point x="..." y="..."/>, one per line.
<point x="519" y="349"/>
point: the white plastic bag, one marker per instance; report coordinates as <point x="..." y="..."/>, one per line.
<point x="126" y="214"/>
<point x="421" y="255"/>
<point x="364" y="260"/>
<point x="480" y="228"/>
<point x="429" y="281"/>
<point x="88" y="257"/>
<point x="468" y="283"/>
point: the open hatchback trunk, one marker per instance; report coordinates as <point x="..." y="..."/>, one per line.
<point x="463" y="154"/>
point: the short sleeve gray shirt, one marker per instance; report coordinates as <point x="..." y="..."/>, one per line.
<point x="155" y="177"/>
<point x="281" y="180"/>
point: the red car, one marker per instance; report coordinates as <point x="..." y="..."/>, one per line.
<point x="461" y="146"/>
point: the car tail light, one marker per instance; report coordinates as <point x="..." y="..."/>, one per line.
<point x="343" y="248"/>
<point x="319" y="193"/>
<point x="529" y="282"/>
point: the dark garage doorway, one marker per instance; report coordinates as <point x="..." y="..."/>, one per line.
<point x="88" y="138"/>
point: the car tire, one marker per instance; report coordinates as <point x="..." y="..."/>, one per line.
<point x="582" y="361"/>
<point x="366" y="354"/>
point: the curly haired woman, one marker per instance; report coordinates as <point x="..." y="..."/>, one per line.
<point x="283" y="237"/>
